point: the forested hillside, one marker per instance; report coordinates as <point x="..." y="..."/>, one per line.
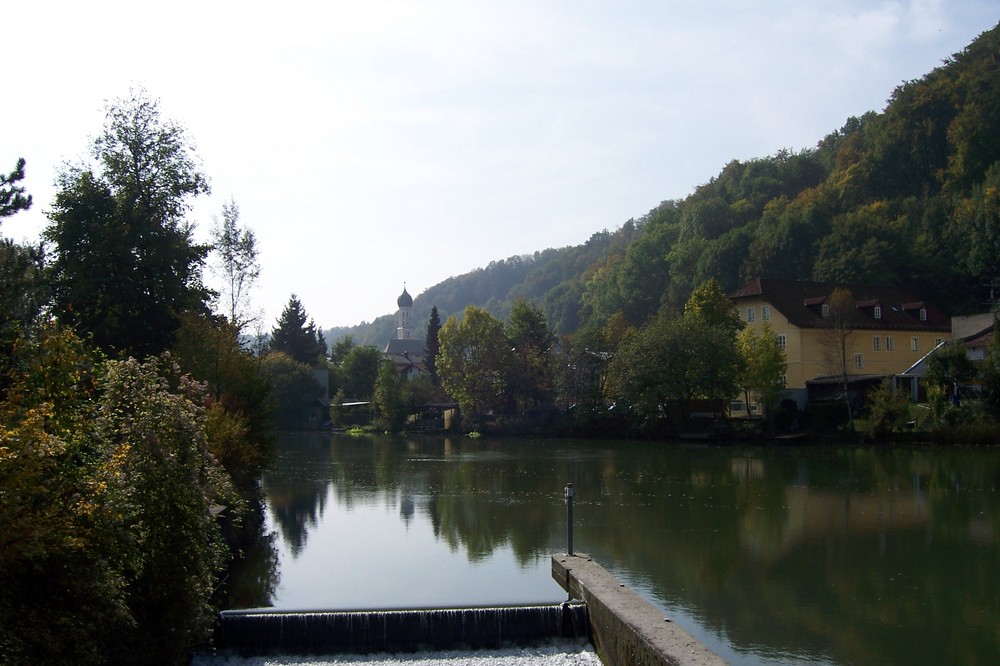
<point x="907" y="197"/>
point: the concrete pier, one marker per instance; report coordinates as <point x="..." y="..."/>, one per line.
<point x="627" y="630"/>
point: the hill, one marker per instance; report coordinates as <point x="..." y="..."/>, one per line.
<point x="908" y="197"/>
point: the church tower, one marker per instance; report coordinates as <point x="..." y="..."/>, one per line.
<point x="405" y="329"/>
<point x="406" y="350"/>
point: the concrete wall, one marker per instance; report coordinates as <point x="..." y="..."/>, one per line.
<point x="627" y="630"/>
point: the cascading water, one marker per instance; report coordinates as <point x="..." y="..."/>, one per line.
<point x="364" y="632"/>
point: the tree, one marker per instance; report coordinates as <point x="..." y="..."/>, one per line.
<point x="161" y="485"/>
<point x="359" y="371"/>
<point x="889" y="409"/>
<point x="340" y="349"/>
<point x="475" y="356"/>
<point x="530" y="376"/>
<point x="978" y="222"/>
<point x="388" y="396"/>
<point x="293" y="388"/>
<point x="674" y="360"/>
<point x="125" y="264"/>
<point x="580" y="374"/>
<point x="649" y="369"/>
<point x="239" y="419"/>
<point x="709" y="305"/>
<point x="236" y="248"/>
<point x="840" y="313"/>
<point x="864" y="246"/>
<point x="60" y="600"/>
<point x="432" y="347"/>
<point x="295" y="337"/>
<point x="108" y="552"/>
<point x="763" y="369"/>
<point x="23" y="293"/>
<point x="12" y="197"/>
<point x="950" y="368"/>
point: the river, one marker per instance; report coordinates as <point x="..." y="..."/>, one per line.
<point x="769" y="555"/>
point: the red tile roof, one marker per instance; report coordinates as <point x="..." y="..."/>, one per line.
<point x="801" y="303"/>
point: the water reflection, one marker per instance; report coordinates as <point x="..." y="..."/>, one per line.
<point x="780" y="555"/>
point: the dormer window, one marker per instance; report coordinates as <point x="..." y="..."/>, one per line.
<point x="923" y="314"/>
<point x="877" y="311"/>
<point x="826" y="310"/>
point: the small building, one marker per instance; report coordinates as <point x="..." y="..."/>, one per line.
<point x="887" y="330"/>
<point x="973" y="332"/>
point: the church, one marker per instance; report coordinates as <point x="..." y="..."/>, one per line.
<point x="406" y="350"/>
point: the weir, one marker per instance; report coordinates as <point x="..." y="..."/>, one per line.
<point x="625" y="629"/>
<point x="265" y="632"/>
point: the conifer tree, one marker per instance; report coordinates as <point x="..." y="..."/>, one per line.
<point x="296" y="336"/>
<point x="431" y="345"/>
<point x="12" y="197"/>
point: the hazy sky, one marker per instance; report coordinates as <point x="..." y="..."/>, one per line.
<point x="374" y="142"/>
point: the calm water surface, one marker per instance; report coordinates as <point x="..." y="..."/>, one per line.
<point x="783" y="555"/>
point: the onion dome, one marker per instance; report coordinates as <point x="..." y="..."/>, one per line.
<point x="404" y="300"/>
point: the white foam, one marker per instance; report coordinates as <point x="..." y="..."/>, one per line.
<point x="559" y="654"/>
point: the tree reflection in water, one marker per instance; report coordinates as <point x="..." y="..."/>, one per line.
<point x="773" y="555"/>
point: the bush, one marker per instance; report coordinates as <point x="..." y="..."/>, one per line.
<point x="888" y="410"/>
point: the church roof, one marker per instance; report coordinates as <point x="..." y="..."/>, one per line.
<point x="413" y="348"/>
<point x="405" y="300"/>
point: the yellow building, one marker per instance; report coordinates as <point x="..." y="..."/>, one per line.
<point x="886" y="329"/>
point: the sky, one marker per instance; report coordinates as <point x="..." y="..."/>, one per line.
<point x="377" y="143"/>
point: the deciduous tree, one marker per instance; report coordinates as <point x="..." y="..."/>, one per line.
<point x="530" y="375"/>
<point x="236" y="249"/>
<point x="763" y="368"/>
<point x="161" y="486"/>
<point x="359" y="371"/>
<point x="124" y="261"/>
<point x="388" y="396"/>
<point x="709" y="305"/>
<point x="475" y="356"/>
<point x="840" y="314"/>
<point x="293" y="390"/>
<point x="240" y="428"/>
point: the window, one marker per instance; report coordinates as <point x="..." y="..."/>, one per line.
<point x="784" y="380"/>
<point x="890" y="343"/>
<point x="923" y="314"/>
<point x="736" y="406"/>
<point x="751" y="314"/>
<point x="826" y="309"/>
<point x="876" y="343"/>
<point x="914" y="343"/>
<point x="878" y="312"/>
<point x="765" y="312"/>
<point x="859" y="361"/>
<point x="937" y="341"/>
<point x="781" y="341"/>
